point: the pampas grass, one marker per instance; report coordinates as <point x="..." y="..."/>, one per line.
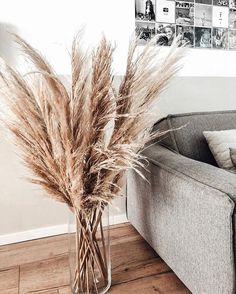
<point x="79" y="142"/>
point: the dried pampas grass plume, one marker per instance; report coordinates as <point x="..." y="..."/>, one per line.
<point x="63" y="133"/>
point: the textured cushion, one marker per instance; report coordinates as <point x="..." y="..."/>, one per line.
<point x="189" y="140"/>
<point x="220" y="143"/>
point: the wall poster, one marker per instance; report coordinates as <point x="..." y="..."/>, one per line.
<point x="199" y="23"/>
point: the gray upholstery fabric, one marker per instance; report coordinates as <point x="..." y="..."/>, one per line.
<point x="189" y="140"/>
<point x="206" y="174"/>
<point x="185" y="213"/>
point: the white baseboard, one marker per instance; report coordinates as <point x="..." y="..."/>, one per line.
<point x="48" y="231"/>
<point x="33" y="234"/>
<point x="118" y="219"/>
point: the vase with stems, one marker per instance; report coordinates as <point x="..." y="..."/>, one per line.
<point x="79" y="141"/>
<point x="89" y="251"/>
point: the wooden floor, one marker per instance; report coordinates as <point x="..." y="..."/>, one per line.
<point x="41" y="266"/>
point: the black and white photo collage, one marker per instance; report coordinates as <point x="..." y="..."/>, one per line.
<point x="198" y="23"/>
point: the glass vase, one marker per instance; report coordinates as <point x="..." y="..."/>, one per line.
<point x="89" y="252"/>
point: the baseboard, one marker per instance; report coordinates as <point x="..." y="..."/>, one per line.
<point x="48" y="231"/>
<point x="118" y="219"/>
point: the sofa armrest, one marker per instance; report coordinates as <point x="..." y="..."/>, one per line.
<point x="185" y="211"/>
<point x="201" y="172"/>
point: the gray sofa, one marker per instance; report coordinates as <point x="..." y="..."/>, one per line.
<point x="187" y="210"/>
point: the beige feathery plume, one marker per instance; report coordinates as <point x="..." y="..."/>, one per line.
<point x="62" y="133"/>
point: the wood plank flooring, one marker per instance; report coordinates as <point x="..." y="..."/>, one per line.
<point x="41" y="266"/>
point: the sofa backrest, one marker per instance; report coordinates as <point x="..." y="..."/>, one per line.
<point x="189" y="140"/>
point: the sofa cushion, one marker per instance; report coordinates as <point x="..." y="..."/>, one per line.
<point x="220" y="143"/>
<point x="188" y="140"/>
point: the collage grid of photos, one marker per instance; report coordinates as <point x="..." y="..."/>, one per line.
<point x="198" y="23"/>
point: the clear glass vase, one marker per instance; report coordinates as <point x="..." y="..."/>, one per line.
<point x="89" y="252"/>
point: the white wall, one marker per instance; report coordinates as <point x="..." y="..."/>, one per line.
<point x="24" y="206"/>
<point x="192" y="94"/>
<point x="50" y="27"/>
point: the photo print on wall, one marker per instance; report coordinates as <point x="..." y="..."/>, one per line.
<point x="220" y="38"/>
<point x="203" y="15"/>
<point x="145" y="31"/>
<point x="165" y="34"/>
<point x="198" y="23"/>
<point x="232" y="4"/>
<point x="186" y="34"/>
<point x="184" y="13"/>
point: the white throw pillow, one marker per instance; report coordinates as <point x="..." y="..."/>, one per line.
<point x="220" y="143"/>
